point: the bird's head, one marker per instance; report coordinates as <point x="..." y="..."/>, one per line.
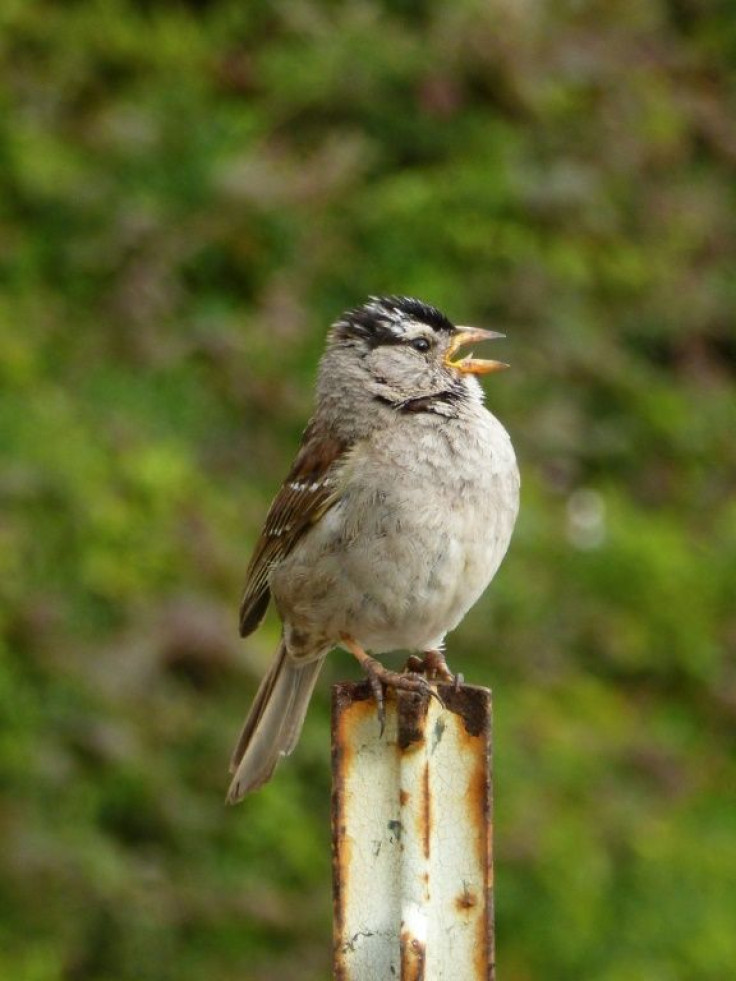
<point x="401" y="350"/>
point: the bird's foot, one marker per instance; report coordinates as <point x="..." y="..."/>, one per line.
<point x="434" y="667"/>
<point x="380" y="677"/>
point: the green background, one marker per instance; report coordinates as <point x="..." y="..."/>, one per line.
<point x="189" y="194"/>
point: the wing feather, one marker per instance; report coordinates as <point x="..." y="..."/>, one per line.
<point x="308" y="491"/>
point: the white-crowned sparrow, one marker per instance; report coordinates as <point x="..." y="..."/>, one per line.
<point x="392" y="521"/>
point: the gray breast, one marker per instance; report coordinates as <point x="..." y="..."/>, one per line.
<point x="421" y="528"/>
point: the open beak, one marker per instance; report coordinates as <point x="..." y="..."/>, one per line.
<point x="470" y="365"/>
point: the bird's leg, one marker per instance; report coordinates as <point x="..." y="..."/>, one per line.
<point x="378" y="676"/>
<point x="434" y="666"/>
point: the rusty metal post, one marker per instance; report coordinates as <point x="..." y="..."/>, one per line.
<point x="411" y="836"/>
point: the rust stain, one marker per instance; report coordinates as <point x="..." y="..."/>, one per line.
<point x="362" y="709"/>
<point x="354" y="691"/>
<point x="466" y="900"/>
<point x="413" y="957"/>
<point x="478" y="798"/>
<point x="479" y="805"/>
<point x="426" y="814"/>
<point x="412" y="708"/>
<point x="489" y="853"/>
<point x="484" y="953"/>
<point x="470" y="702"/>
<point x="404" y="797"/>
<point x="352" y="703"/>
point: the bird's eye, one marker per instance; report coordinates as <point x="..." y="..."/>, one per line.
<point x="420" y="344"/>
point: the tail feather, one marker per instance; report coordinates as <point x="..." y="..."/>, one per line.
<point x="274" y="722"/>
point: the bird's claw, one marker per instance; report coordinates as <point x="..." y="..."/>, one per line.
<point x="434" y="667"/>
<point x="416" y="677"/>
<point x="377" y="690"/>
<point x="380" y="677"/>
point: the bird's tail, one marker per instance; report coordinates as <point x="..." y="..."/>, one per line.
<point x="274" y="722"/>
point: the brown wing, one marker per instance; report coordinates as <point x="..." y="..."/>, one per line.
<point x="308" y="491"/>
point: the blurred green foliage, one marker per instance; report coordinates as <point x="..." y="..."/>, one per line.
<point x="191" y="192"/>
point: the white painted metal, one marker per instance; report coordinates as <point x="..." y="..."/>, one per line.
<point x="412" y="841"/>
